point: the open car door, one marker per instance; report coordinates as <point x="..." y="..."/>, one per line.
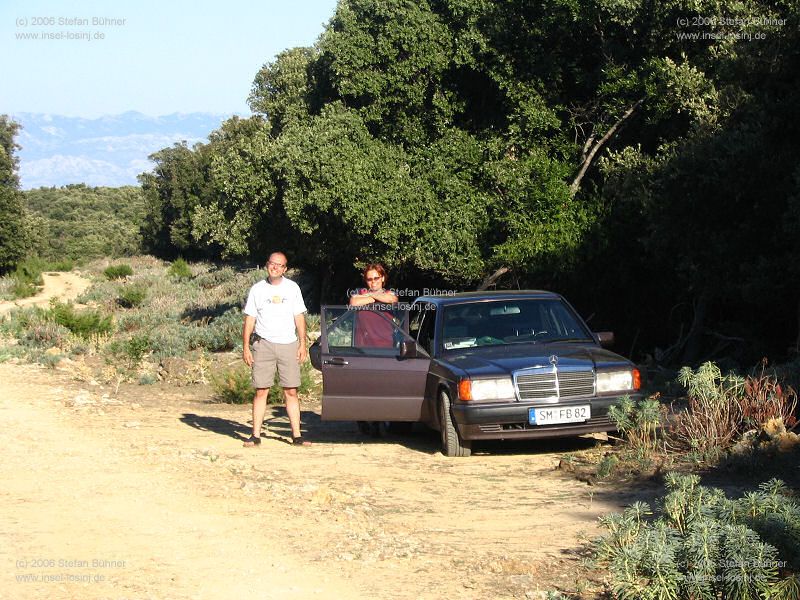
<point x="364" y="376"/>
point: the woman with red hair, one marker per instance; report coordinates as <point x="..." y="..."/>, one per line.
<point x="374" y="328"/>
<point x="375" y="278"/>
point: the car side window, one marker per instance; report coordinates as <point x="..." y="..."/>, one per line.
<point x="426" y="330"/>
<point x="364" y="332"/>
<point x="416" y="320"/>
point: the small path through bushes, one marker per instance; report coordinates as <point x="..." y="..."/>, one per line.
<point x="64" y="286"/>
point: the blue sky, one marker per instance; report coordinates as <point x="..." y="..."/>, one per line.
<point x="168" y="56"/>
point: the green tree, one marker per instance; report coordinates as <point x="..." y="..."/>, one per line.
<point x="175" y="187"/>
<point x="13" y="238"/>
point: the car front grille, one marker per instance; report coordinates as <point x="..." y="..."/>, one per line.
<point x="554" y="383"/>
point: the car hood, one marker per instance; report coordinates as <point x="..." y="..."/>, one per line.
<point x="491" y="361"/>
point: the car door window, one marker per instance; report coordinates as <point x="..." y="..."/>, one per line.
<point x="364" y="332"/>
<point x="426" y="330"/>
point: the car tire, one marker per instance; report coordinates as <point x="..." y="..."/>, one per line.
<point x="374" y="429"/>
<point x="452" y="444"/>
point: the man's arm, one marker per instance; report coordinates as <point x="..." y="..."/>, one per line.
<point x="300" y="324"/>
<point x="247" y="330"/>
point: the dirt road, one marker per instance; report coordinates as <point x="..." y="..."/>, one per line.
<point x="65" y="286"/>
<point x="151" y="495"/>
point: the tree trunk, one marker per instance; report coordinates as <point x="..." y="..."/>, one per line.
<point x="692" y="348"/>
<point x="490" y="279"/>
<point x="589" y="157"/>
<point x="325" y="287"/>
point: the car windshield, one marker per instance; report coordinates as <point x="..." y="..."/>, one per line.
<point x="502" y="322"/>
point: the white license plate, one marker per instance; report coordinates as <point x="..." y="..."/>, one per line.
<point x="559" y="414"/>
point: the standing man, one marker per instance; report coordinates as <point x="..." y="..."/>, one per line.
<point x="275" y="311"/>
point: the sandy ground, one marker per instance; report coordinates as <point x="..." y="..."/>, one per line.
<point x="65" y="286"/>
<point x="150" y="494"/>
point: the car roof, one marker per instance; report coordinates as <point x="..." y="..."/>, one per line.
<point x="464" y="297"/>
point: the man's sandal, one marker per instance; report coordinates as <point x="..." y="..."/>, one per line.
<point x="252" y="441"/>
<point x="299" y="441"/>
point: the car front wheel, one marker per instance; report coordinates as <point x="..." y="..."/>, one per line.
<point x="452" y="444"/>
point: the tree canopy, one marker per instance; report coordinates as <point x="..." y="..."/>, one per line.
<point x="593" y="146"/>
<point x="13" y="233"/>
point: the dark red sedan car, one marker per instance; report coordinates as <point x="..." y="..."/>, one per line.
<point x="482" y="365"/>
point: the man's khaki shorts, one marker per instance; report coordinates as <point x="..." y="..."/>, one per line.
<point x="267" y="356"/>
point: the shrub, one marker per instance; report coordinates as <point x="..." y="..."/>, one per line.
<point x="132" y="296"/>
<point x="136" y="347"/>
<point x="639" y="423"/>
<point x="179" y="270"/>
<point x="216" y="277"/>
<point x="27" y="277"/>
<point x="721" y="408"/>
<point x="710" y="423"/>
<point x="147" y="379"/>
<point x="703" y="545"/>
<point x="46" y="335"/>
<point x="23" y="289"/>
<point x="170" y="340"/>
<point x="85" y="323"/>
<point x="765" y="399"/>
<point x="49" y="360"/>
<point x="235" y="386"/>
<point x="607" y="465"/>
<point x="118" y="271"/>
<point x="223" y="333"/>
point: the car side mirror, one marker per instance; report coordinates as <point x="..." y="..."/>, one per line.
<point x="408" y="349"/>
<point x="604" y="338"/>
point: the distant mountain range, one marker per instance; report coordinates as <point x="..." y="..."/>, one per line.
<point x="108" y="151"/>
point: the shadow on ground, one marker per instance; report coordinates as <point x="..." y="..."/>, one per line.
<point x="413" y="436"/>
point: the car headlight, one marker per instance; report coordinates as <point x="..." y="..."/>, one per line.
<point x="486" y="389"/>
<point x="618" y="381"/>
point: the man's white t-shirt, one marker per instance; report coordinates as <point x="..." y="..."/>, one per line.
<point x="274" y="307"/>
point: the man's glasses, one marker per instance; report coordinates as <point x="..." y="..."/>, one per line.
<point x="374" y="278"/>
<point x="274" y="264"/>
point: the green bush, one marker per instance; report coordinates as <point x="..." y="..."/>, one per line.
<point x="118" y="271"/>
<point x="722" y="407"/>
<point x="147" y="379"/>
<point x="607" y="465"/>
<point x="638" y="422"/>
<point x="215" y="277"/>
<point x="179" y="270"/>
<point x="132" y="296"/>
<point x="223" y="333"/>
<point x="27" y="277"/>
<point x="84" y="323"/>
<point x="46" y="335"/>
<point x="234" y="386"/>
<point x="705" y="546"/>
<point x="23" y="289"/>
<point x="171" y="339"/>
<point x="136" y="347"/>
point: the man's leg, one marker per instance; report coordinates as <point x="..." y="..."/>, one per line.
<point x="259" y="410"/>
<point x="293" y="410"/>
